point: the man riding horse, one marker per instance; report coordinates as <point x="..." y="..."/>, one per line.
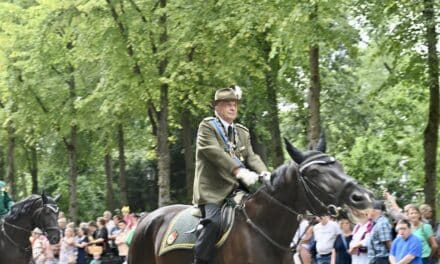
<point x="5" y="201"/>
<point x="224" y="156"/>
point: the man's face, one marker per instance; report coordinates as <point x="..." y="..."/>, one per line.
<point x="324" y="219"/>
<point x="403" y="230"/>
<point x="227" y="110"/>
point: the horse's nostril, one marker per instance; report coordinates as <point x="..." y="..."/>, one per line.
<point x="357" y="198"/>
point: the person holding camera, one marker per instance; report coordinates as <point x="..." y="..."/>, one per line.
<point x="359" y="242"/>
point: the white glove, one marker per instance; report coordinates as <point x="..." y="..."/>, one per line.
<point x="247" y="177"/>
<point x="265" y="176"/>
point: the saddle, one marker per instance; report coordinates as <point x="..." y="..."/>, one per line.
<point x="181" y="232"/>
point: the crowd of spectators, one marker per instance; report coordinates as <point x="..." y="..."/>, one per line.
<point x="385" y="233"/>
<point x="104" y="241"/>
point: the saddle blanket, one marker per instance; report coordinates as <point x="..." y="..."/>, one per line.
<point x="180" y="233"/>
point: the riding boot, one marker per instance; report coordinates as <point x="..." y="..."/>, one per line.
<point x="204" y="248"/>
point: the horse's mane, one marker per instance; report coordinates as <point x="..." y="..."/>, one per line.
<point x="23" y="207"/>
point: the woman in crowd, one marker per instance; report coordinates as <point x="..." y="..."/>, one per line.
<point x="120" y="240"/>
<point x="68" y="249"/>
<point x="424" y="232"/>
<point x="81" y="244"/>
<point x="360" y="239"/>
<point x="340" y="253"/>
<point x="100" y="235"/>
<point x="40" y="247"/>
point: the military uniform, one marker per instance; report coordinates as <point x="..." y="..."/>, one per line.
<point x="5" y="201"/>
<point x="219" y="153"/>
<point x="214" y="164"/>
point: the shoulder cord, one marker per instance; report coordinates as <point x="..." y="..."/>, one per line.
<point x="217" y="125"/>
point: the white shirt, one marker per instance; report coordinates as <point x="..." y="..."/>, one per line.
<point x="325" y="236"/>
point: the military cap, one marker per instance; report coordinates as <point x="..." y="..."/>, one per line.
<point x="232" y="93"/>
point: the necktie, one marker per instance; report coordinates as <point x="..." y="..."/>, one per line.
<point x="230" y="134"/>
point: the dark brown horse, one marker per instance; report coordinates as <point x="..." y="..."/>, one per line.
<point x="34" y="211"/>
<point x="264" y="227"/>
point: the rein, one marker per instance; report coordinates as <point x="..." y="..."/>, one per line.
<point x="3" y="229"/>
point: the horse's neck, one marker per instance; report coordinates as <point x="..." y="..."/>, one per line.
<point x="19" y="231"/>
<point x="279" y="221"/>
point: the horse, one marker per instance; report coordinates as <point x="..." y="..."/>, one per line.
<point x="264" y="226"/>
<point x="35" y="211"/>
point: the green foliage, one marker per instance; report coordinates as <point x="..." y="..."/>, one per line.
<point x="372" y="66"/>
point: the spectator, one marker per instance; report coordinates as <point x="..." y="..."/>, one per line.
<point x="426" y="211"/>
<point x="424" y="232"/>
<point x="100" y="235"/>
<point x="68" y="249"/>
<point x="120" y="240"/>
<point x="40" y="247"/>
<point x="325" y="233"/>
<point x="128" y="218"/>
<point x="112" y="235"/>
<point x="302" y="240"/>
<point x="81" y="244"/>
<point x="380" y="240"/>
<point x="340" y="253"/>
<point x="96" y="259"/>
<point x="406" y="248"/>
<point x="109" y="223"/>
<point x="393" y="208"/>
<point x="359" y="242"/>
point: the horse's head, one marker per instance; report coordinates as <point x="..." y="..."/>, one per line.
<point x="46" y="216"/>
<point x="326" y="185"/>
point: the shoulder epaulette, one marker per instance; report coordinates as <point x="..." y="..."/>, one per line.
<point x="242" y="127"/>
<point x="209" y="118"/>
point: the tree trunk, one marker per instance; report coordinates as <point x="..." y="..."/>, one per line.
<point x="271" y="74"/>
<point x="313" y="98"/>
<point x="275" y="140"/>
<point x="33" y="168"/>
<point x="10" y="167"/>
<point x="110" y="201"/>
<point x="122" y="166"/>
<point x="187" y="135"/>
<point x="163" y="151"/>
<point x="430" y="142"/>
<point x="73" y="173"/>
<point x="72" y="146"/>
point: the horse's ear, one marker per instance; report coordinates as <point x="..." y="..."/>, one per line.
<point x="44" y="197"/>
<point x="322" y="144"/>
<point x="57" y="198"/>
<point x="294" y="153"/>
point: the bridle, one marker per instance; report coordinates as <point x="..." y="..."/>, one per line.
<point x="36" y="214"/>
<point x="321" y="159"/>
<point x="331" y="209"/>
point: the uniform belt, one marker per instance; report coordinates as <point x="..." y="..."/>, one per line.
<point x="325" y="255"/>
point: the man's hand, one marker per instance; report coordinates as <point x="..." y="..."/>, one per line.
<point x="265" y="176"/>
<point x="247" y="177"/>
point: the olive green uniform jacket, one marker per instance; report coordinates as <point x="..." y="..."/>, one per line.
<point x="213" y="180"/>
<point x="5" y="204"/>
